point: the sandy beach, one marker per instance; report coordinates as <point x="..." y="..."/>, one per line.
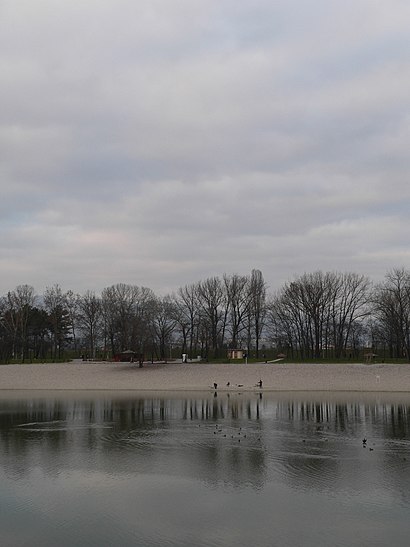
<point x="276" y="377"/>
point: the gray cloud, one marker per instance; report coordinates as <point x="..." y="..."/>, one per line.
<point x="158" y="143"/>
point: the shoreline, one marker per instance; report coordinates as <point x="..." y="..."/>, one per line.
<point x="180" y="377"/>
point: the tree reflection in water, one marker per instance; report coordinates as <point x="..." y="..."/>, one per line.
<point x="250" y="460"/>
<point x="230" y="439"/>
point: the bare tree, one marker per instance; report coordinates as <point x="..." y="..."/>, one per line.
<point x="119" y="305"/>
<point x="257" y="307"/>
<point x="318" y="311"/>
<point x="18" y="306"/>
<point x="55" y="305"/>
<point x="89" y="319"/>
<point x="351" y="293"/>
<point x="285" y="324"/>
<point x="213" y="312"/>
<point x="163" y="324"/>
<point x="308" y="303"/>
<point x="391" y="302"/>
<point x="238" y="294"/>
<point x="187" y="315"/>
<point x="71" y="303"/>
<point x="126" y="313"/>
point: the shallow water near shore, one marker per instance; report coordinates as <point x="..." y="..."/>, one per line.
<point x="211" y="469"/>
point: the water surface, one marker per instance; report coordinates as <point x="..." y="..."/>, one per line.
<point x="206" y="470"/>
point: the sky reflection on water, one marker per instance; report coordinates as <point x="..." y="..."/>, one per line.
<point x="205" y="470"/>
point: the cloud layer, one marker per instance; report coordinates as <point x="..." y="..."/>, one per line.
<point x="158" y="143"/>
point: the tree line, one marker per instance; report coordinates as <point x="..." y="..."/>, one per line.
<point x="319" y="315"/>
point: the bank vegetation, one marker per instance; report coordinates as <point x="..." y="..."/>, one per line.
<point x="316" y="316"/>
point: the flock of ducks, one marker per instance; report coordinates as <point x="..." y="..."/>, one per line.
<point x="365" y="444"/>
<point x="259" y="384"/>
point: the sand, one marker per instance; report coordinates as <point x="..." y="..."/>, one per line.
<point x="176" y="377"/>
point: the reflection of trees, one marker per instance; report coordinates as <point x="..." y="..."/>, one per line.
<point x="394" y="421"/>
<point x="60" y="433"/>
<point x="322" y="446"/>
<point x="228" y="449"/>
<point x="202" y="437"/>
<point x="220" y="408"/>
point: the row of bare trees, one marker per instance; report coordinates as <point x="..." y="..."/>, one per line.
<point x="337" y="315"/>
<point x="217" y="313"/>
<point x="200" y="319"/>
<point x="390" y="327"/>
<point x="320" y="314"/>
<point x="317" y="315"/>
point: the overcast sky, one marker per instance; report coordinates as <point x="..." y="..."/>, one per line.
<point x="160" y="142"/>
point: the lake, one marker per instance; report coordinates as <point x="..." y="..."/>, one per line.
<point x="204" y="470"/>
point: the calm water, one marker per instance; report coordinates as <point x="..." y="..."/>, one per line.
<point x="205" y="471"/>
